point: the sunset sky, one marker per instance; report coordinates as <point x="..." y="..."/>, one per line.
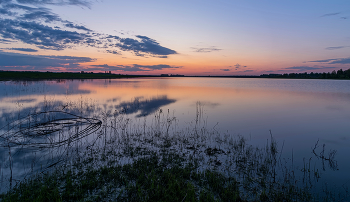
<point x="190" y="37"/>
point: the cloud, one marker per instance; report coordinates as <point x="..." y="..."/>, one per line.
<point x="42" y="36"/>
<point x="237" y="66"/>
<point x="113" y="52"/>
<point x="106" y="67"/>
<point x="306" y="68"/>
<point x="132" y="68"/>
<point x="302" y="68"/>
<point x="4" y="41"/>
<point x="334" y="61"/>
<point x="341" y="61"/>
<point x="41" y="13"/>
<point x="225" y="70"/>
<point x="29" y="13"/>
<point x="330" y="14"/>
<point x="326" y="60"/>
<point x="26" y="100"/>
<point x="30" y="22"/>
<point x="336" y="47"/>
<point x="23" y="49"/>
<point x="142" y="45"/>
<point x="248" y="70"/>
<point x="158" y="67"/>
<point x="71" y="25"/>
<point x="56" y="2"/>
<point x="334" y="14"/>
<point x="19" y="61"/>
<point x="206" y="50"/>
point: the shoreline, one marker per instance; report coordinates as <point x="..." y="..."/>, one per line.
<point x="37" y="75"/>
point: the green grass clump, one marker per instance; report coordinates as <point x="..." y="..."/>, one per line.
<point x="147" y="179"/>
<point x="153" y="178"/>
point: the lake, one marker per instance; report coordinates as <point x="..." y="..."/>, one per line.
<point x="298" y="113"/>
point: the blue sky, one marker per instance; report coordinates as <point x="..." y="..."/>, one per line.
<point x="205" y="37"/>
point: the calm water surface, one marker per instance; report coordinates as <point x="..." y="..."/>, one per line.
<point x="298" y="112"/>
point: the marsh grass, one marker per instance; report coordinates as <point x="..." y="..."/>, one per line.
<point x="147" y="179"/>
<point x="127" y="159"/>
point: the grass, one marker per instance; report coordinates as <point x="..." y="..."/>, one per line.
<point x="147" y="179"/>
<point x="134" y="160"/>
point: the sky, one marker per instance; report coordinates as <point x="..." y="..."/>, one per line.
<point x="189" y="37"/>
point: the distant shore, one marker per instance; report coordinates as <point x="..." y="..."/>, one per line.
<point x="36" y="75"/>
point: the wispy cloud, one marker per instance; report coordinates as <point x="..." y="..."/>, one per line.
<point x="334" y="61"/>
<point x="38" y="13"/>
<point x="4" y="41"/>
<point x="56" y="2"/>
<point x="238" y="66"/>
<point x="326" y="60"/>
<point x="335" y="14"/>
<point x="341" y="61"/>
<point x="307" y="68"/>
<point x="330" y="14"/>
<point x="30" y="22"/>
<point x="9" y="61"/>
<point x="336" y="47"/>
<point x="205" y="50"/>
<point x="132" y="68"/>
<point x="22" y="49"/>
<point x="302" y="68"/>
<point x="113" y="52"/>
<point x="106" y="67"/>
<point x="80" y="27"/>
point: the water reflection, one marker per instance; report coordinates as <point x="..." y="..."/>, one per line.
<point x="299" y="112"/>
<point x="39" y="141"/>
<point x="144" y="106"/>
<point x="33" y="141"/>
<point x="22" y="88"/>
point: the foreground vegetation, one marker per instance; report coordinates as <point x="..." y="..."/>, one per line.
<point x="148" y="179"/>
<point x="111" y="157"/>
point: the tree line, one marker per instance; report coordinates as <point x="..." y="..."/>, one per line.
<point x="339" y="74"/>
